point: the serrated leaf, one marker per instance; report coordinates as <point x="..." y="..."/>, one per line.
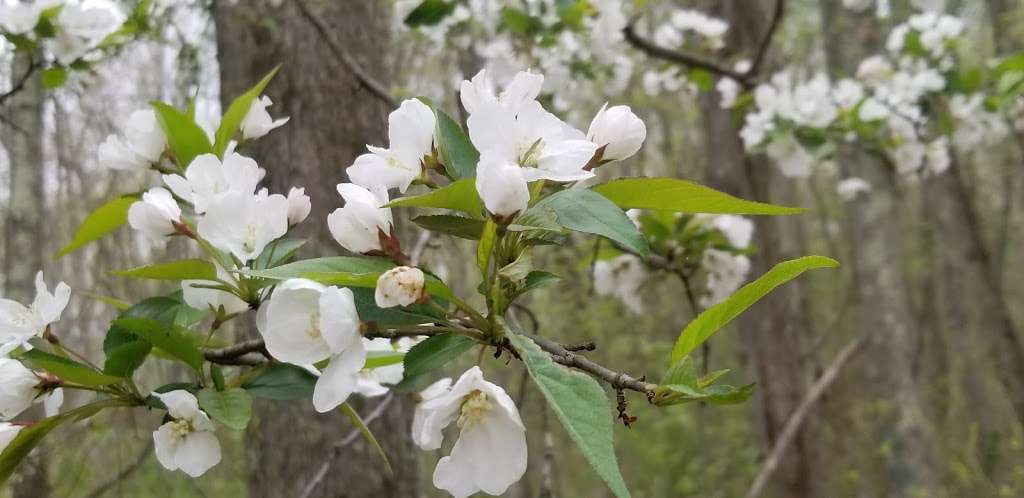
<point x="185" y="138"/>
<point x="673" y="194"/>
<point x="123" y="359"/>
<point x="186" y="269"/>
<point x="166" y="337"/>
<point x="231" y="407"/>
<point x="458" y="226"/>
<point x="537" y="279"/>
<point x="282" y="382"/>
<point x="239" y="108"/>
<point x="460" y="195"/>
<point x="66" y="369"/>
<point x="458" y="153"/>
<point x="101" y="221"/>
<point x="586" y="211"/>
<point x="434" y="352"/>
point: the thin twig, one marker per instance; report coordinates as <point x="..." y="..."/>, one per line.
<point x="650" y="48"/>
<point x="762" y="48"/>
<point x="19" y="85"/>
<point x="796" y="420"/>
<point x="365" y="79"/>
<point x="243" y="352"/>
<point x="616" y="379"/>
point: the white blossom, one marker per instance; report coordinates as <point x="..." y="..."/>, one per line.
<point x="374" y="381"/>
<point x="258" y="122"/>
<point x="410" y="137"/>
<point x="8" y="432"/>
<point x="621" y="277"/>
<point x="155" y="215"/>
<point x="737" y="229"/>
<point x="206" y="298"/>
<point x="19" y="323"/>
<point x="490" y="453"/>
<point x="298" y="206"/>
<point x="357" y="225"/>
<point x="726" y="272"/>
<point x="188" y="442"/>
<point x="501" y="186"/>
<point x="140" y="145"/>
<point x="243" y="224"/>
<point x="480" y="91"/>
<point x="850" y="188"/>
<point x="399" y="286"/>
<point x="19" y="388"/>
<point x="207" y="177"/>
<point x="792" y="159"/>
<point x="19" y="18"/>
<point x="618" y="130"/>
<point x="728" y="90"/>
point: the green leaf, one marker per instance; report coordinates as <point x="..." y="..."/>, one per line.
<point x="581" y="406"/>
<point x="717" y="316"/>
<point x="674" y="394"/>
<point x="458" y="226"/>
<point x="186" y="269"/>
<point x="333" y="264"/>
<point x="54" y="77"/>
<point x="368" y="310"/>
<point x="671" y="194"/>
<point x="1012" y="63"/>
<point x="459" y="196"/>
<point x="236" y="113"/>
<point x="377" y="359"/>
<point x="125" y="358"/>
<point x="537" y="279"/>
<point x="520" y="22"/>
<point x="484" y="249"/>
<point x="165" y="337"/>
<point x="429" y="13"/>
<point x="103" y="220"/>
<point x="66" y="369"/>
<point x="282" y="382"/>
<point x="186" y="139"/>
<point x="278" y="252"/>
<point x="585" y="211"/>
<point x="365" y="431"/>
<point x="434" y="352"/>
<point x="457" y="152"/>
<point x="231" y="407"/>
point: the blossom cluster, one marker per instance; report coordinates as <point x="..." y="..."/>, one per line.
<point x="70" y="31"/>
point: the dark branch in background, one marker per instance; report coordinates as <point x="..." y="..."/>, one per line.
<point x="796" y="420"/>
<point x="766" y="42"/>
<point x="650" y="48"/>
<point x="365" y="79"/>
<point x="19" y="85"/>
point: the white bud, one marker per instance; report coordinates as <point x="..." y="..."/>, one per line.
<point x="298" y="205"/>
<point x="357" y="225"/>
<point x="257" y="121"/>
<point x="399" y="286"/>
<point x="155" y="214"/>
<point x="618" y="130"/>
<point x="501" y="186"/>
<point x="18" y="388"/>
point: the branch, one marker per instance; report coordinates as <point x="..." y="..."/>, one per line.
<point x="254" y="352"/>
<point x="19" y="85"/>
<point x="365" y="79"/>
<point x="762" y="49"/>
<point x="650" y="48"/>
<point x="796" y="420"/>
<point x="618" y="380"/>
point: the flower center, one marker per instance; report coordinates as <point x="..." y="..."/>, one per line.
<point x="181" y="428"/>
<point x="314" y="326"/>
<point x="529" y="157"/>
<point x="250" y="239"/>
<point x="474" y="407"/>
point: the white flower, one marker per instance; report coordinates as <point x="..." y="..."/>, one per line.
<point x="849" y="188"/>
<point x="205" y="298"/>
<point x="243" y="224"/>
<point x="908" y="157"/>
<point x="188" y="442"/>
<point x="19" y="18"/>
<point x="490" y="454"/>
<point x="936" y="156"/>
<point x="19" y="388"/>
<point x="8" y="432"/>
<point x="206" y="177"/>
<point x="479" y="91"/>
<point x="726" y="272"/>
<point x="875" y="69"/>
<point x="298" y="206"/>
<point x="737" y="229"/>
<point x="374" y="381"/>
<point x="79" y="29"/>
<point x="848" y="93"/>
<point x="155" y="215"/>
<point x="709" y="27"/>
<point x="357" y="225"/>
<point x="618" y="130"/>
<point x="20" y="323"/>
<point x="858" y="5"/>
<point x="410" y="137"/>
<point x="621" y="277"/>
<point x="792" y="159"/>
<point x="729" y="90"/>
<point x="419" y="416"/>
<point x="304" y="323"/>
<point x="257" y="121"/>
<point x="399" y="286"/>
<point x="501" y="186"/>
<point x="141" y="144"/>
<point x="872" y="110"/>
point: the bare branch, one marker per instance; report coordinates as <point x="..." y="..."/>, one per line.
<point x="616" y="379"/>
<point x="762" y="48"/>
<point x="650" y="48"/>
<point x="19" y="85"/>
<point x="254" y="352"/>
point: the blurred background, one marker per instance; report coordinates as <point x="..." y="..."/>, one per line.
<point x="898" y="375"/>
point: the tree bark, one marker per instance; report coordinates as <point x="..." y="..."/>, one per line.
<point x="332" y="118"/>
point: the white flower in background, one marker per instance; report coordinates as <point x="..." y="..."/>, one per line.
<point x="908" y="157"/>
<point x="188" y="442"/>
<point x="410" y="138"/>
<point x="207" y="177"/>
<point x="792" y="159"/>
<point x="419" y="416"/>
<point x="858" y="5"/>
<point x="618" y="130"/>
<point x="490" y="453"/>
<point x="374" y="382"/>
<point x="621" y="277"/>
<point x="668" y="35"/>
<point x="19" y="18"/>
<point x="728" y="90"/>
<point x="501" y="186"/>
<point x="737" y="229"/>
<point x="155" y="215"/>
<point x="206" y="298"/>
<point x="975" y="125"/>
<point x="8" y="432"/>
<point x="258" y="122"/>
<point x="140" y="146"/>
<point x="936" y="156"/>
<point x="726" y="272"/>
<point x="872" y="110"/>
<point x="79" y="30"/>
<point x="480" y="91"/>
<point x="756" y="127"/>
<point x="399" y="286"/>
<point x="243" y="224"/>
<point x="19" y="388"/>
<point x="606" y="28"/>
<point x="298" y="206"/>
<point x="304" y="323"/>
<point x="20" y="323"/>
<point x="874" y="70"/>
<point x="357" y="225"/>
<point x="713" y="29"/>
<point x="848" y="93"/>
<point x="850" y="188"/>
<point x="811" y="103"/>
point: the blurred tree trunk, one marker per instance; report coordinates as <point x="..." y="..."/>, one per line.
<point x="885" y="313"/>
<point x="332" y="118"/>
<point x="772" y="330"/>
<point x="23" y="229"/>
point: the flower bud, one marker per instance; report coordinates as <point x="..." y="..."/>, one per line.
<point x="618" y="130"/>
<point x="257" y="121"/>
<point x="155" y="215"/>
<point x="357" y="225"/>
<point x="502" y="187"/>
<point x="399" y="286"/>
<point x="18" y="388"/>
<point x="298" y="205"/>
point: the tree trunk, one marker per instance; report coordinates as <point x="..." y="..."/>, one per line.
<point x="332" y="118"/>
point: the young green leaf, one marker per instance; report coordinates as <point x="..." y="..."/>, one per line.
<point x="333" y="264"/>
<point x="186" y="269"/>
<point x="231" y="407"/>
<point x="377" y="359"/>
<point x="581" y="406"/>
<point x="435" y="352"/>
<point x="457" y="152"/>
<point x="166" y="337"/>
<point x="66" y="369"/>
<point x="458" y="226"/>
<point x="101" y="221"/>
<point x="236" y="113"/>
<point x="717" y="316"/>
<point x="54" y="77"/>
<point x="125" y="358"/>
<point x="429" y="13"/>
<point x="672" y="194"/>
<point x="282" y="382"/>
<point x="278" y="252"/>
<point x="459" y="196"/>
<point x="185" y="138"/>
<point x="585" y="211"/>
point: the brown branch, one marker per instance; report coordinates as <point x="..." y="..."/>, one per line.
<point x="796" y="420"/>
<point x="567" y="358"/>
<point x="365" y="79"/>
<point x="762" y="48"/>
<point x="650" y="48"/>
<point x="254" y="352"/>
<point x="19" y="85"/>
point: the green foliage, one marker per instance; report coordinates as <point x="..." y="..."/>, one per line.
<point x="435" y="352"/>
<point x="169" y="338"/>
<point x="460" y="195"/>
<point x="239" y="108"/>
<point x="486" y="247"/>
<point x="54" y="77"/>
<point x="672" y="194"/>
<point x="377" y="359"/>
<point x="458" y="226"/>
<point x="585" y="211"/>
<point x="719" y="315"/>
<point x="681" y="385"/>
<point x="185" y="269"/>
<point x="278" y="252"/>
<point x="101" y="221"/>
<point x="457" y="152"/>
<point x="282" y="382"/>
<point x="231" y="407"/>
<point x="66" y="369"/>
<point x="346" y="272"/>
<point x="429" y="13"/>
<point x="185" y="138"/>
